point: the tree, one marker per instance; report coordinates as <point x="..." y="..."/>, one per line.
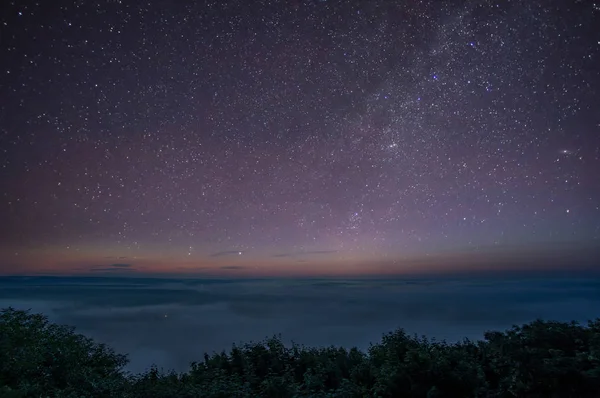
<point x="42" y="359"/>
<point x="537" y="360"/>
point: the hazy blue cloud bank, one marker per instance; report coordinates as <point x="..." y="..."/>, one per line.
<point x="172" y="322"/>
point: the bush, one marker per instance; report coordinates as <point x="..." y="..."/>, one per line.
<point x="539" y="359"/>
<point x="39" y="359"/>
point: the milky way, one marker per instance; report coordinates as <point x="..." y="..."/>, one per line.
<point x="314" y="136"/>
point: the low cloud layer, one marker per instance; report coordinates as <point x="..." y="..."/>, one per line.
<point x="182" y="319"/>
<point x="226" y="253"/>
<point x="304" y="253"/>
<point x="113" y="268"/>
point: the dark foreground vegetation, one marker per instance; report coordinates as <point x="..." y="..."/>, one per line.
<point x="540" y="359"/>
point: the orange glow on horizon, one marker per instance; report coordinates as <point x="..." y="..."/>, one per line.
<point x="95" y="261"/>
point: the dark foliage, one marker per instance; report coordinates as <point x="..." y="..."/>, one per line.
<point x="41" y="359"/>
<point x="539" y="359"/>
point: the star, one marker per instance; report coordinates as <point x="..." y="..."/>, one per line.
<point x="176" y="133"/>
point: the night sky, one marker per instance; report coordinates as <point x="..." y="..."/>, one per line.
<point x="311" y="137"/>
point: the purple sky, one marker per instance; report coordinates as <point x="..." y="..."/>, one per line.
<point x="298" y="138"/>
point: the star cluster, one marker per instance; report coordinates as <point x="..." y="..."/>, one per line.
<point x="184" y="136"/>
